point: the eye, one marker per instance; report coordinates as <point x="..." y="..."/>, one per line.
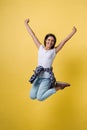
<point x="48" y="39"/>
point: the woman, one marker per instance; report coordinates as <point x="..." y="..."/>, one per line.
<point x="43" y="79"/>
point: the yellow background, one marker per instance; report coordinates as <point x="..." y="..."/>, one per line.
<point x="67" y="109"/>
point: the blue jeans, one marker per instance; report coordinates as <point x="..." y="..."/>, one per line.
<point x="41" y="89"/>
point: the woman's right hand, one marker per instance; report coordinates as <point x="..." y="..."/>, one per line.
<point x="27" y="21"/>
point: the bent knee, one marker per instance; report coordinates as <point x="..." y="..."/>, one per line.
<point x="40" y="98"/>
<point x="32" y="96"/>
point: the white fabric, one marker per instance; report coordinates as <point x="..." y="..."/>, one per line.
<point x="45" y="57"/>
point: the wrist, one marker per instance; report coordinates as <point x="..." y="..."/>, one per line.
<point x="74" y="30"/>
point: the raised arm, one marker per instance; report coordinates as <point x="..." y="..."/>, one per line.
<point x="62" y="43"/>
<point x="32" y="34"/>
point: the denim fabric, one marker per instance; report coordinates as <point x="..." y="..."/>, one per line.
<point x="41" y="89"/>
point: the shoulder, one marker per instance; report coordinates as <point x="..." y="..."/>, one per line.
<point x="41" y="47"/>
<point x="54" y="51"/>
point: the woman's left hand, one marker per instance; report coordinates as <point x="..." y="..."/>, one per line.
<point x="74" y="29"/>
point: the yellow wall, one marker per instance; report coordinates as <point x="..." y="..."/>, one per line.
<point x="67" y="109"/>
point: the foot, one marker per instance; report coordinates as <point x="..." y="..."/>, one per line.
<point x="61" y="85"/>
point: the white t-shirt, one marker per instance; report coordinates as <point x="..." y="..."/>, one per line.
<point x="45" y="57"/>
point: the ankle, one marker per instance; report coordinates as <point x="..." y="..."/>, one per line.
<point x="57" y="88"/>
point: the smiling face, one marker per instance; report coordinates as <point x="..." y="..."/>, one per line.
<point x="49" y="41"/>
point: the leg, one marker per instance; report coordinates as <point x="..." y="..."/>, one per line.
<point x="44" y="90"/>
<point x="34" y="89"/>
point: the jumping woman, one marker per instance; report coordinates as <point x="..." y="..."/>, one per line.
<point x="43" y="81"/>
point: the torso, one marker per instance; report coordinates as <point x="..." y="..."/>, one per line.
<point x="45" y="57"/>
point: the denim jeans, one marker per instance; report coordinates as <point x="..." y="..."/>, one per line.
<point x="41" y="89"/>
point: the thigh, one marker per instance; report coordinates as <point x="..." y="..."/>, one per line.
<point x="44" y="86"/>
<point x="35" y="87"/>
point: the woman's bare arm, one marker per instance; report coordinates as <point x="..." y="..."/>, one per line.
<point x="62" y="43"/>
<point x="32" y="34"/>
